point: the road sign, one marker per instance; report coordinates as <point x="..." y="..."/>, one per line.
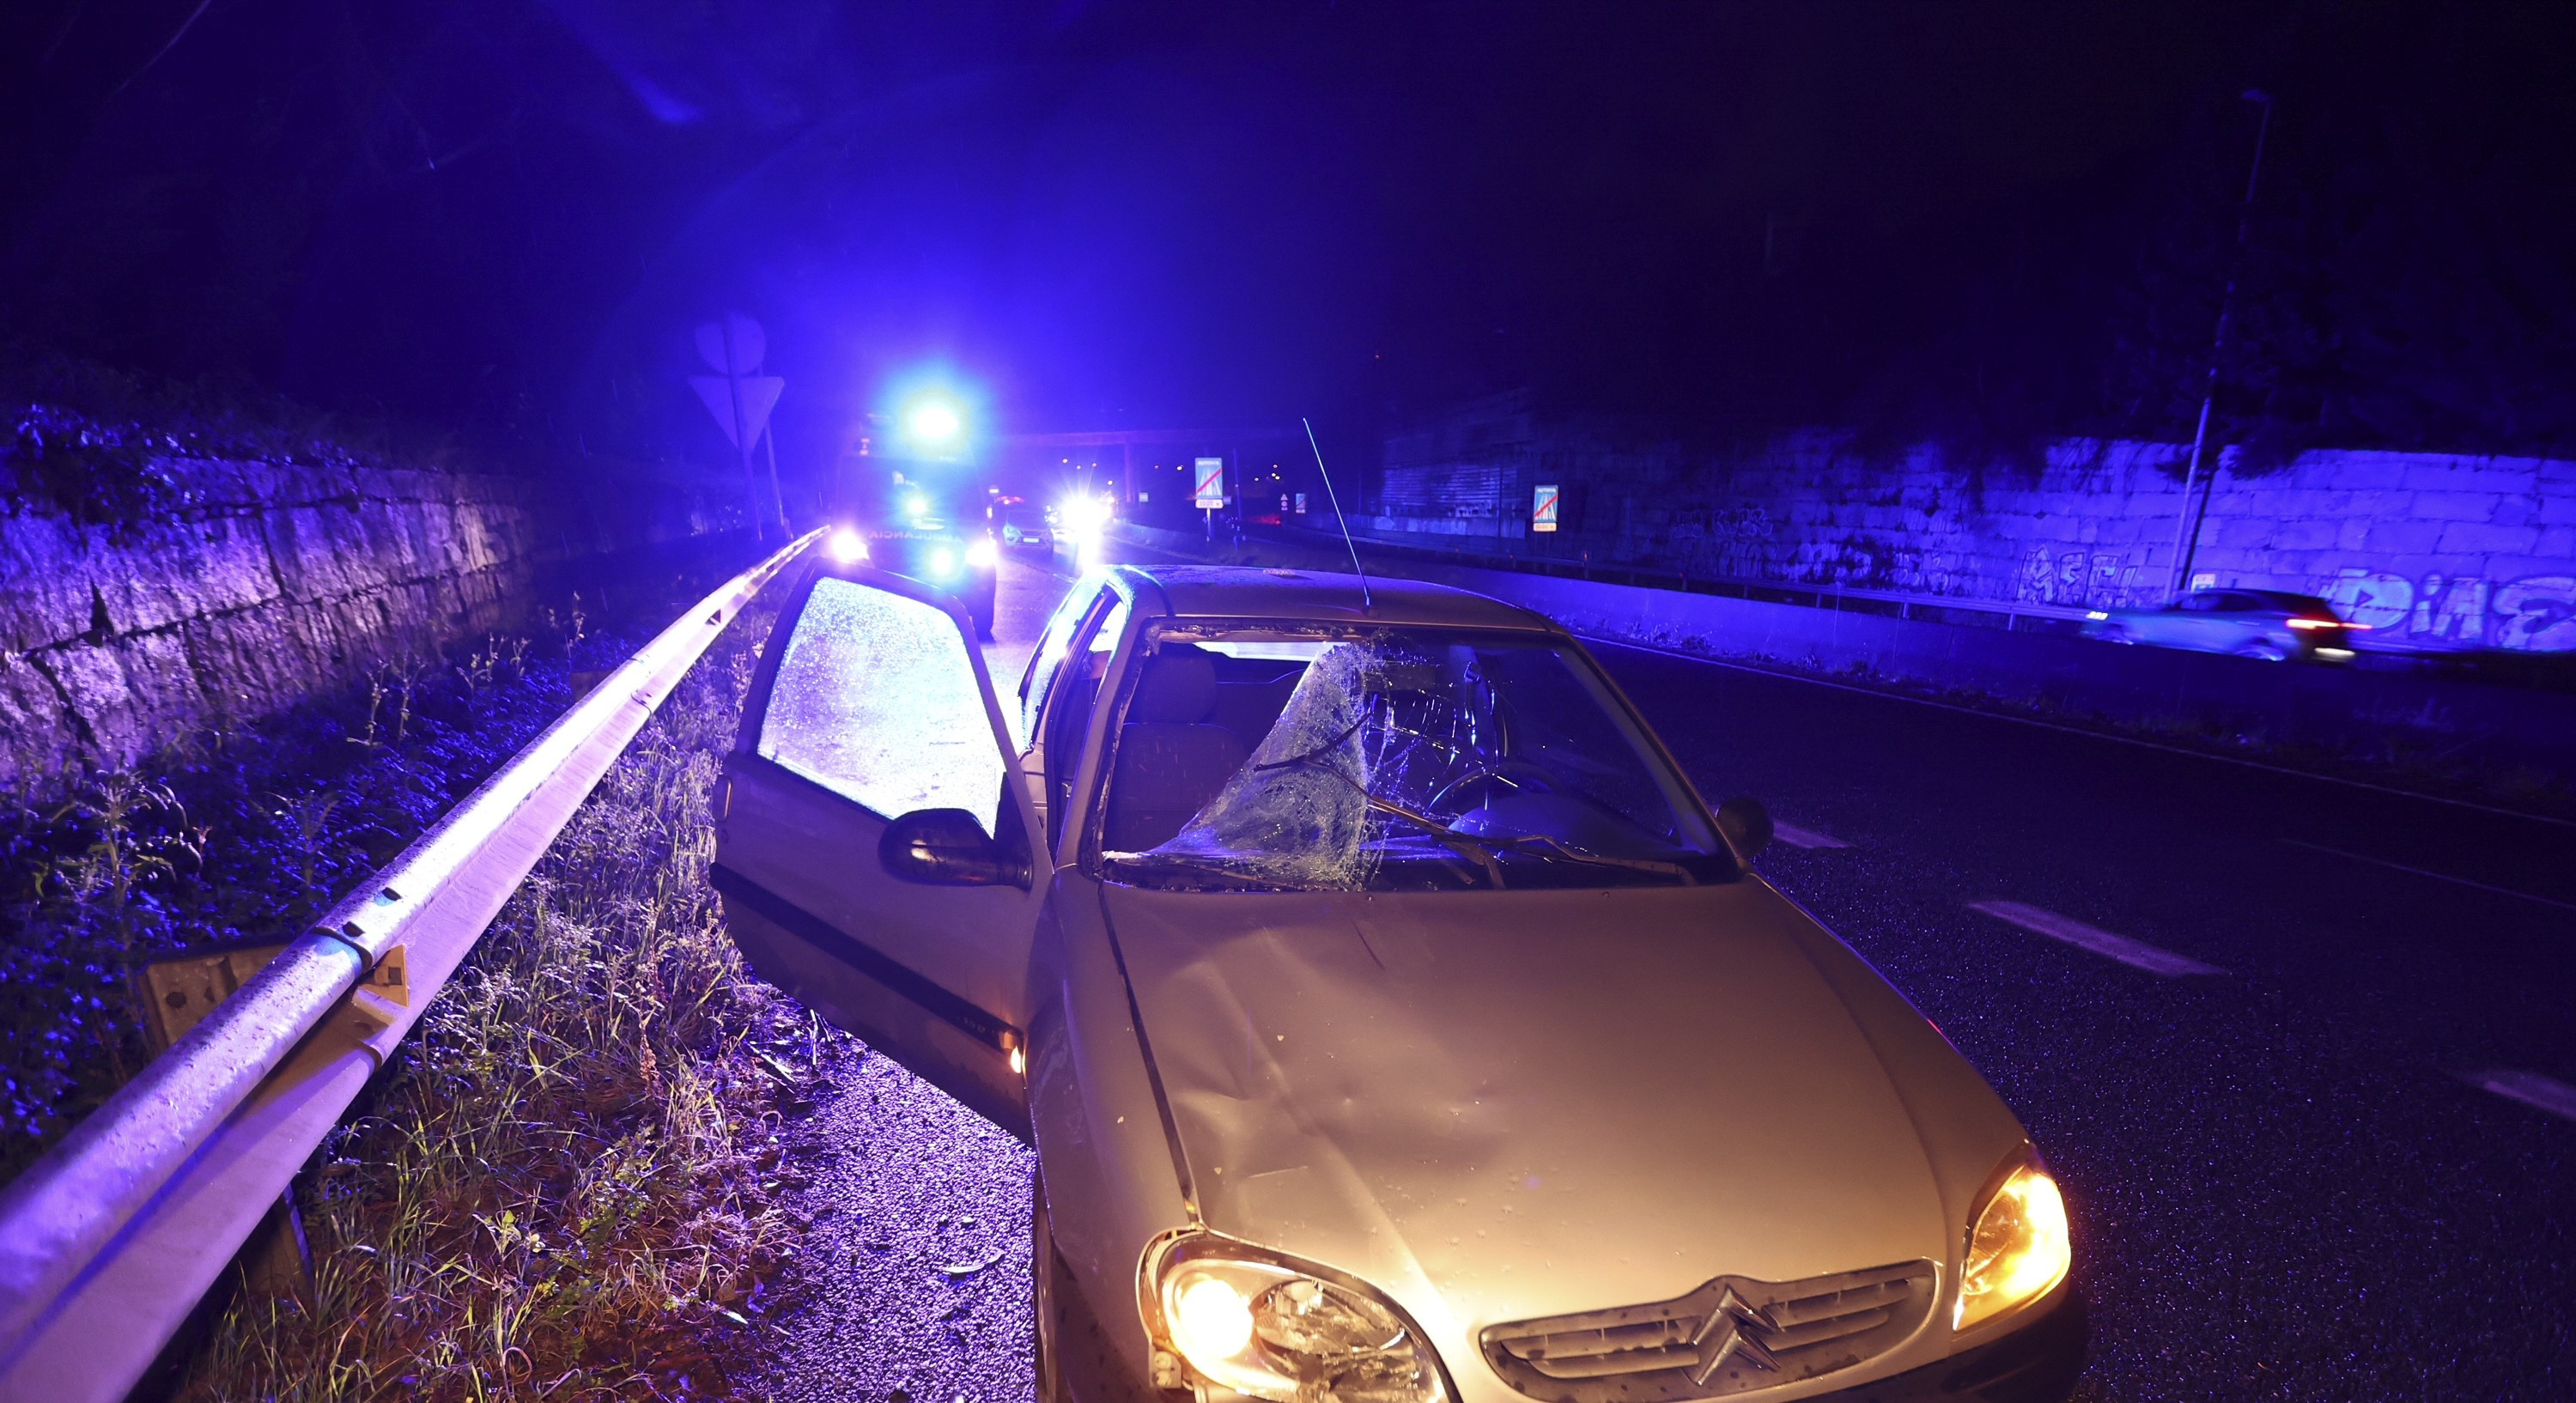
<point x="733" y="347"/>
<point x="1211" y="479"/>
<point x="741" y="400"/>
<point x="1301" y="504"/>
<point x="759" y="396"/>
<point x="1543" y="504"/>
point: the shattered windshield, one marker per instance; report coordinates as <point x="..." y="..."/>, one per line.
<point x="1388" y="759"/>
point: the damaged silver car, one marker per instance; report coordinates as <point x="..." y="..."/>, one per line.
<point x="1392" y="1020"/>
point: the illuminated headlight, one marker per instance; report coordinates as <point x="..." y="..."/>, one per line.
<point x="2018" y="1249"/>
<point x="848" y="546"/>
<point x="943" y="560"/>
<point x="1263" y="1325"/>
<point x="982" y="553"/>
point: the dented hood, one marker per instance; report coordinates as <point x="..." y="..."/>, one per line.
<point x="1515" y="1104"/>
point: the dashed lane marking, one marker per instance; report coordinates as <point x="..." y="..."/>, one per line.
<point x="2531" y="1089"/>
<point x="2101" y="942"/>
<point x="1797" y="837"/>
<point x="2426" y="872"/>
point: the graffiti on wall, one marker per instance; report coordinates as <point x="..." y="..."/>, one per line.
<point x="2085" y="580"/>
<point x="2534" y="614"/>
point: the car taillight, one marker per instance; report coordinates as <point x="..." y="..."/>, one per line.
<point x="2326" y="623"/>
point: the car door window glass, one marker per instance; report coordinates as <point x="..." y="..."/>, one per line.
<point x="876" y="700"/>
<point x="1047" y="663"/>
<point x="1068" y="719"/>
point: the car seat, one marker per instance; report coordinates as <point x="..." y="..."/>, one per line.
<point x="1171" y="761"/>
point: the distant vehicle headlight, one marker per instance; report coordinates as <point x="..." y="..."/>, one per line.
<point x="1260" y="1324"/>
<point x="848" y="546"/>
<point x="982" y="553"/>
<point x="2017" y="1251"/>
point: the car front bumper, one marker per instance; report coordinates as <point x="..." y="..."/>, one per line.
<point x="2037" y="1363"/>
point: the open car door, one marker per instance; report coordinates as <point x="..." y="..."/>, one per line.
<point x="873" y="841"/>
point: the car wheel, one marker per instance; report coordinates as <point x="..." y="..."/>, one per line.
<point x="2262" y="650"/>
<point x="2116" y="633"/>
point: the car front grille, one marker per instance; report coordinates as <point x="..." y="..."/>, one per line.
<point x="1730" y="1336"/>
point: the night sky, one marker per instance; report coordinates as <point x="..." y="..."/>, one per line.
<point x="1983" y="223"/>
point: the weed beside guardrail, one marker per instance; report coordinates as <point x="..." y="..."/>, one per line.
<point x="107" y="1243"/>
<point x="567" y="1184"/>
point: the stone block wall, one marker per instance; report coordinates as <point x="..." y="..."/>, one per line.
<point x="2432" y="550"/>
<point x="273" y="580"/>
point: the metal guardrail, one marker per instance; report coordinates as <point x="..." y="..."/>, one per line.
<point x="109" y="1241"/>
<point x="2378" y="651"/>
<point x="2005" y="613"/>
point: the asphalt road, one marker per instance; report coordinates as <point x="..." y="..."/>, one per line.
<point x="2286" y="1179"/>
<point x="2269" y="1030"/>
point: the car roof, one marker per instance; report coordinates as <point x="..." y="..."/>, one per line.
<point x="2288" y="598"/>
<point x="2275" y="598"/>
<point x="1249" y="592"/>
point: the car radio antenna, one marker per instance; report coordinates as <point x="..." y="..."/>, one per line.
<point x="1367" y="604"/>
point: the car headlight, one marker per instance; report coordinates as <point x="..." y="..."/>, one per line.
<point x="2018" y="1249"/>
<point x="1266" y="1325"/>
<point x="943" y="560"/>
<point x="982" y="553"/>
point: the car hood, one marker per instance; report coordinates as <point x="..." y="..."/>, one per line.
<point x="1507" y="1105"/>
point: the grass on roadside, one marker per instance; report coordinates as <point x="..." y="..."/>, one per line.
<point x="236" y="833"/>
<point x="566" y="1186"/>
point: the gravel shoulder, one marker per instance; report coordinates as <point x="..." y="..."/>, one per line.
<point x="911" y="1282"/>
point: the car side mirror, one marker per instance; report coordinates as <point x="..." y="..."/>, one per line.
<point x="1746" y="824"/>
<point x="947" y="848"/>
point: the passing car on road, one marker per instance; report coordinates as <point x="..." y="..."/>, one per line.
<point x="1021" y="524"/>
<point x="1392" y="1020"/>
<point x="2265" y="624"/>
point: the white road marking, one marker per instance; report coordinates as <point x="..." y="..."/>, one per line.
<point x="2426" y="872"/>
<point x="1797" y="837"/>
<point x="2100" y="942"/>
<point x="2531" y="1089"/>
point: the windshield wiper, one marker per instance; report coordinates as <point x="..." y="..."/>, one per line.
<point x="1555" y="848"/>
<point x="1477" y="845"/>
<point x="1174" y="864"/>
<point x="1558" y="847"/>
<point x="1465" y="844"/>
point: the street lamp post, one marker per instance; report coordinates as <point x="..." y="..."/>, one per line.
<point x="2186" y="521"/>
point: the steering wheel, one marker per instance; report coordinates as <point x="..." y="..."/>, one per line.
<point x="1517" y="773"/>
